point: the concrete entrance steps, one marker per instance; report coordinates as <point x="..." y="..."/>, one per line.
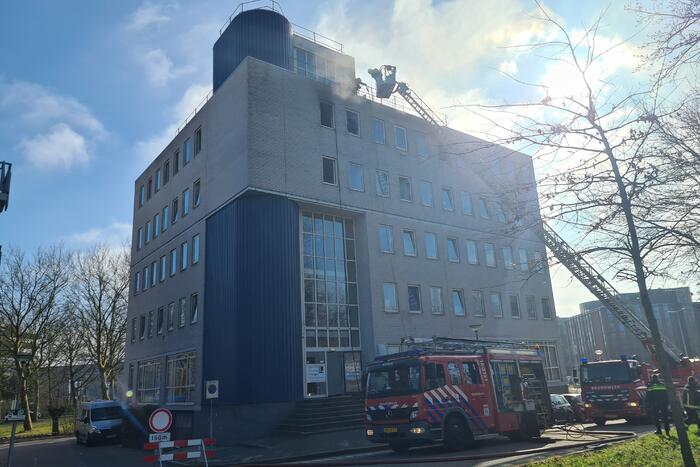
<point x="335" y="413"/>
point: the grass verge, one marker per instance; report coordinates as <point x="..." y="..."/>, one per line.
<point x="41" y="428"/>
<point x="648" y="450"/>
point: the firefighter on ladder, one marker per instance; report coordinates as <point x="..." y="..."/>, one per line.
<point x="657" y="400"/>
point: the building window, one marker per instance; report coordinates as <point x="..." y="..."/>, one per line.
<point x="458" y="302"/>
<point x="507" y="253"/>
<point x="400" y="138"/>
<point x="181" y="377"/>
<point x="159" y="320"/>
<point x="133" y="330"/>
<point x="176" y="210"/>
<point x="326" y="114"/>
<point x="500" y="213"/>
<point x="551" y="362"/>
<point x="531" y="307"/>
<point x="197" y="140"/>
<point x="142" y="195"/>
<point x="171" y="316"/>
<point x="176" y="162"/>
<point x="405" y="192"/>
<point x="522" y="256"/>
<point x="137" y="282"/>
<point x="414" y="303"/>
<point x="352" y="122"/>
<point x="496" y="305"/>
<point x="158" y="180"/>
<point x="466" y="203"/>
<point x="436" y="300"/>
<point x="538" y="262"/>
<point x="356" y="178"/>
<point x="305" y="63"/>
<point x="149" y="190"/>
<point x="426" y="193"/>
<point x="142" y="326"/>
<point x="166" y="172"/>
<point x="154" y="273"/>
<point x="140" y="240"/>
<point x="181" y="312"/>
<point x="156" y="225"/>
<point x="386" y="239"/>
<point x="187" y="156"/>
<point x="166" y="219"/>
<point x="447" y="204"/>
<point x="483" y="208"/>
<point x="148" y="231"/>
<point x="184" y="255"/>
<point x="329" y="170"/>
<point x="421" y="146"/>
<point x="150" y="324"/>
<point x="163" y="267"/>
<point x="546" y="310"/>
<point x="452" y="250"/>
<point x="148" y="381"/>
<point x="472" y="256"/>
<point x="431" y="246"/>
<point x="194" y="308"/>
<point x="382" y="183"/>
<point x="490" y="255"/>
<point x="146" y="278"/>
<point x="514" y="307"/>
<point x="185" y="202"/>
<point x="195" y="249"/>
<point x="409" y="242"/>
<point x="173" y="262"/>
<point x="479" y="305"/>
<point x="390" y="302"/>
<point x="378" y="134"/>
<point x="196" y="190"/>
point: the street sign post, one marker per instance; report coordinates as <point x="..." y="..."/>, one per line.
<point x="212" y="393"/>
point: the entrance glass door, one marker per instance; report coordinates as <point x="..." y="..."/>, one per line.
<point x="315" y="375"/>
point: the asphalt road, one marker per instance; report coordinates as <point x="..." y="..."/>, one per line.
<point x="64" y="452"/>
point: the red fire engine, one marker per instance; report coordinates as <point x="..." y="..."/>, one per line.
<point x="454" y="391"/>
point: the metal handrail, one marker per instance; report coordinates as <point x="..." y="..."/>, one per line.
<point x="194" y="111"/>
<point x="317" y="38"/>
<point x="273" y="6"/>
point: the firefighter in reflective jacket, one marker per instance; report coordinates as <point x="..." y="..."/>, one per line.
<point x="657" y="401"/>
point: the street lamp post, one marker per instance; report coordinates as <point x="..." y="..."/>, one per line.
<point x="475" y="328"/>
<point x="23" y="358"/>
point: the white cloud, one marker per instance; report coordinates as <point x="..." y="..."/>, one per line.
<point x="159" y="67"/>
<point x="509" y="66"/>
<point x="117" y="234"/>
<point x="60" y="148"/>
<point x="150" y="14"/>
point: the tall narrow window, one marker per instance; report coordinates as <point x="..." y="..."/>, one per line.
<point x="538" y="262"/>
<point x="137" y="282"/>
<point x="352" y="121"/>
<point x="514" y="307"/>
<point x="181" y="312"/>
<point x="140" y="238"/>
<point x="159" y="321"/>
<point x="148" y="231"/>
<point x="195" y="249"/>
<point x="479" y="306"/>
<point x="405" y="192"/>
<point x="421" y="146"/>
<point x="452" y="250"/>
<point x="149" y="190"/>
<point x="156" y="225"/>
<point x="458" y="302"/>
<point x="426" y="193"/>
<point x="171" y="316"/>
<point x="329" y="171"/>
<point x="483" y="208"/>
<point x="356" y="178"/>
<point x="496" y="305"/>
<point x="173" y="262"/>
<point x="176" y="162"/>
<point x="187" y="155"/>
<point x="150" y="324"/>
<point x="436" y="306"/>
<point x="490" y="255"/>
<point x="382" y="183"/>
<point x="185" y="202"/>
<point x="142" y="195"/>
<point x="414" y="302"/>
<point x="146" y="278"/>
<point x="466" y="203"/>
<point x="326" y="114"/>
<point x="531" y="307"/>
<point x="431" y="246"/>
<point x="500" y="213"/>
<point x="166" y="172"/>
<point x="184" y="255"/>
<point x="507" y="253"/>
<point x="400" y="138"/>
<point x="194" y="308"/>
<point x="133" y="331"/>
<point x="158" y="180"/>
<point x="175" y="210"/>
<point x="163" y="267"/>
<point x="522" y="256"/>
<point x="197" y="140"/>
<point x="142" y="327"/>
<point x="166" y="218"/>
<point x="378" y="134"/>
<point x="472" y="256"/>
<point x="409" y="242"/>
<point x="546" y="310"/>
<point x="386" y="239"/>
<point x="447" y="204"/>
<point x="390" y="301"/>
<point x="154" y="273"/>
<point x="196" y="190"/>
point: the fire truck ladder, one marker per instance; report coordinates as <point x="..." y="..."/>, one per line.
<point x="604" y="291"/>
<point x="462" y="346"/>
<point x="385" y="78"/>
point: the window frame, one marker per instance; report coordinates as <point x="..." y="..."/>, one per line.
<point x="347" y="123"/>
<point x="436" y="255"/>
<point x="466" y="195"/>
<point x="390" y="230"/>
<point x="454" y="241"/>
<point x="194" y="308"/>
<point x="186" y="199"/>
<point x="173" y="262"/>
<point x="163" y="267"/>
<point x="197" y="193"/>
<point x="479" y="303"/>
<point x="515" y="302"/>
<point x="378" y="184"/>
<point x="353" y="170"/>
<point x="468" y="252"/>
<point x="412" y="236"/>
<point x="483" y="208"/>
<point x="374" y="134"/>
<point x="433" y="309"/>
<point x="405" y="138"/>
<point x="448" y="192"/>
<point x="186" y="151"/>
<point x="184" y="255"/>
<point x="414" y="287"/>
<point x="496" y="310"/>
<point x="530" y="300"/>
<point x="460" y="295"/>
<point x="410" y="189"/>
<point x="332" y="108"/>
<point x="429" y="185"/>
<point x="490" y="248"/>
<point x="172" y="383"/>
<point x="196" y="244"/>
<point x="197" y="140"/>
<point x="334" y="161"/>
<point x="392" y="286"/>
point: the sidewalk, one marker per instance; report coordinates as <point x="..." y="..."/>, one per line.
<point x="288" y="448"/>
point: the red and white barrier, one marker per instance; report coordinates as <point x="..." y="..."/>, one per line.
<point x="159" y="456"/>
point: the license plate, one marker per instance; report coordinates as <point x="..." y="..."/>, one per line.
<point x="391" y="429"/>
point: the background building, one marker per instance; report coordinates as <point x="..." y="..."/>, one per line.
<point x="296" y="227"/>
<point x="596" y="328"/>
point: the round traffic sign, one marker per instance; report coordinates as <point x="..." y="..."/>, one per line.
<point x="160" y="420"/>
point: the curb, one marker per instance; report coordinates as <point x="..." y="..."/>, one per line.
<point x="21" y="439"/>
<point x="310" y="456"/>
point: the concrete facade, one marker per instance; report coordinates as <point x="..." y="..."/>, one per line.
<point x="262" y="134"/>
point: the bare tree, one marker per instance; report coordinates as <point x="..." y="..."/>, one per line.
<point x="601" y="184"/>
<point x="29" y="289"/>
<point x="99" y="300"/>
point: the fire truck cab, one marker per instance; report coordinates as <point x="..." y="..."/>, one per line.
<point x="425" y="396"/>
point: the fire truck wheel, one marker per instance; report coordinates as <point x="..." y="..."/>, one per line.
<point x="457" y="433"/>
<point x="599" y="421"/>
<point x="398" y="446"/>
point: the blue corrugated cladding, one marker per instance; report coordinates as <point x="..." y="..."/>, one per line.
<point x="261" y="33"/>
<point x="252" y="340"/>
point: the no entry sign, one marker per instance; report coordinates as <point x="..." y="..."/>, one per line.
<point x="160" y="420"/>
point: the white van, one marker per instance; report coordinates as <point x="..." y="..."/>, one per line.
<point x="98" y="421"/>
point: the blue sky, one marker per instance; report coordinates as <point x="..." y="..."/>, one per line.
<point x="90" y="91"/>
